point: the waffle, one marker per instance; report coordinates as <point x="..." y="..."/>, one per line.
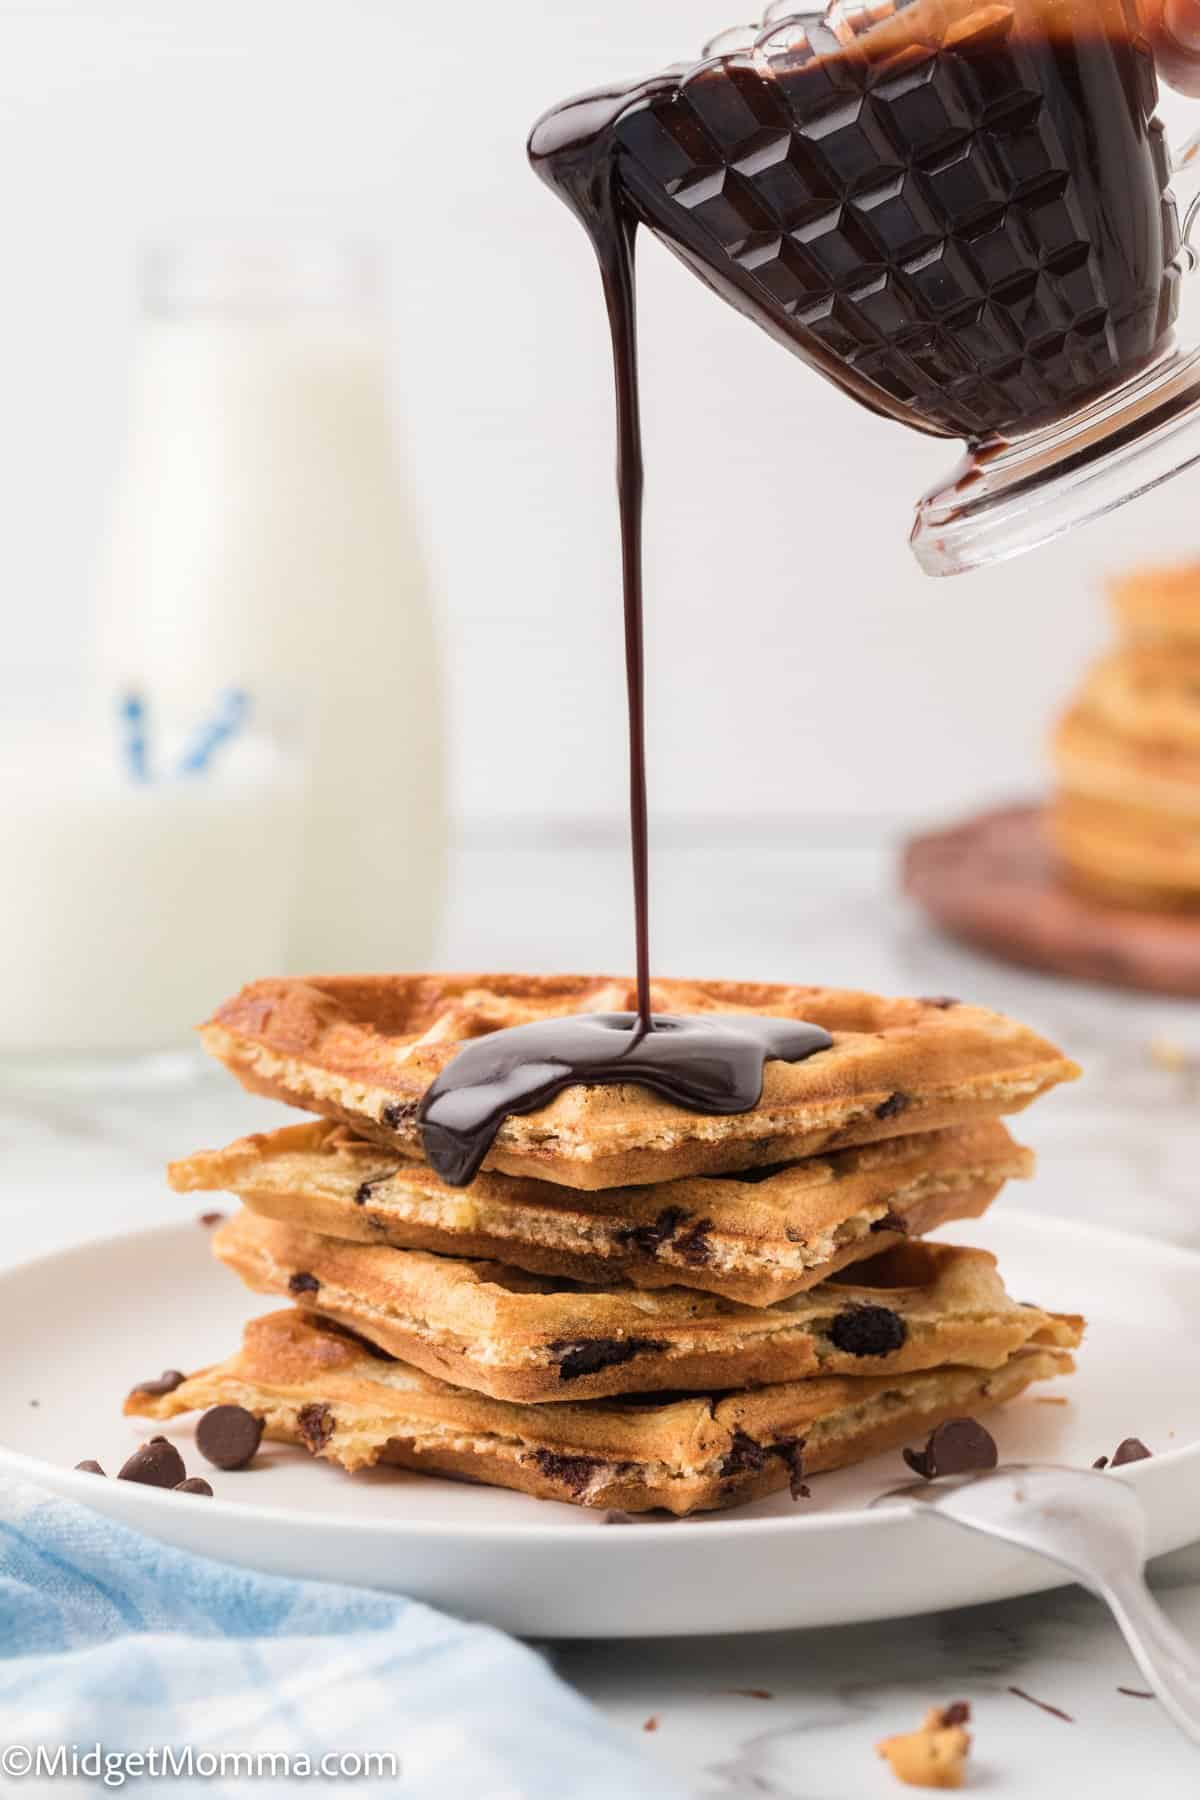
<point x="522" y="1337"/>
<point x="364" y="1049"/>
<point x="1126" y="822"/>
<point x="1150" y="693"/>
<point x="756" y="1240"/>
<point x="1127" y="855"/>
<point x="315" y="1385"/>
<point x="1097" y="763"/>
<point x="1159" y="606"/>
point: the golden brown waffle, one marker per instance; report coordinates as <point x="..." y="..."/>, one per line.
<point x="1098" y="763"/>
<point x="364" y="1049"/>
<point x="314" y="1385"/>
<point x="1150" y="693"/>
<point x="1125" y="825"/>
<point x="1159" y="606"/>
<point x="523" y="1337"/>
<point x="1127" y="855"/>
<point x="755" y="1240"/>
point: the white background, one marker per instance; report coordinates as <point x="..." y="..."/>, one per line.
<point x="799" y="662"/>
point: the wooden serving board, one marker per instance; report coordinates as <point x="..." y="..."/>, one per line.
<point x="991" y="880"/>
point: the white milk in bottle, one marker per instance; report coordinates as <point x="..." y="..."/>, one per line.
<point x="264" y="538"/>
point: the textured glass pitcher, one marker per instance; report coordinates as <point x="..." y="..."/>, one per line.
<point x="960" y="211"/>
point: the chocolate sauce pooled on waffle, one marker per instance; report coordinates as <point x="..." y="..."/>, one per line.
<point x="711" y="1063"/>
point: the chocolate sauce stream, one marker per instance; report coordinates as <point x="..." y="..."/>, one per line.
<point x="615" y="249"/>
<point x="712" y="1063"/>
<point x="571" y="150"/>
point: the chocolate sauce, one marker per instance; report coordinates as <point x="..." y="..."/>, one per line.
<point x="570" y="149"/>
<point x="958" y="213"/>
<point x="711" y="1063"/>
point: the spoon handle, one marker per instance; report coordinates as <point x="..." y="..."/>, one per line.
<point x="1165" y="1658"/>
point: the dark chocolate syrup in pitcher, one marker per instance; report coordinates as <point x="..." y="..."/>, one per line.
<point x="958" y="211"/>
<point x="710" y="1062"/>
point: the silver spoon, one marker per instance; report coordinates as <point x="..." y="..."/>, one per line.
<point x="1095" y="1527"/>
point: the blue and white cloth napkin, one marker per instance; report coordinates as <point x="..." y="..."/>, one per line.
<point x="114" y="1644"/>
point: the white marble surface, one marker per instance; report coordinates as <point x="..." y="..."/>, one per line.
<point x="83" y="1158"/>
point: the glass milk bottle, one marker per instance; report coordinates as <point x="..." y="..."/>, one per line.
<point x="264" y="539"/>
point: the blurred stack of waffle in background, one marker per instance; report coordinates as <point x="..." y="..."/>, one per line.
<point x="631" y="1305"/>
<point x="1125" y="821"/>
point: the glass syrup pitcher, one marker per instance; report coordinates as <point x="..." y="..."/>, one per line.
<point x="961" y="212"/>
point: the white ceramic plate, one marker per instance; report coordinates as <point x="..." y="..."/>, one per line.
<point x="83" y="1326"/>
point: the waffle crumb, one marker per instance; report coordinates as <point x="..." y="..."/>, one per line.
<point x="936" y="1755"/>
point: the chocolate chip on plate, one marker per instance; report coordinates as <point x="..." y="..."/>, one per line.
<point x="166" y="1383"/>
<point x="89" y="1467"/>
<point x="209" y="1219"/>
<point x="228" y="1436"/>
<point x="1130" y="1450"/>
<point x="195" y="1484"/>
<point x="953" y="1448"/>
<point x="156" y="1464"/>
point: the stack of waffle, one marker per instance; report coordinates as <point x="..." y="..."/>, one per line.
<point x="632" y="1306"/>
<point x="1126" y="821"/>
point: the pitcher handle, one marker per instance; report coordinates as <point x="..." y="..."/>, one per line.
<point x="1185" y="162"/>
